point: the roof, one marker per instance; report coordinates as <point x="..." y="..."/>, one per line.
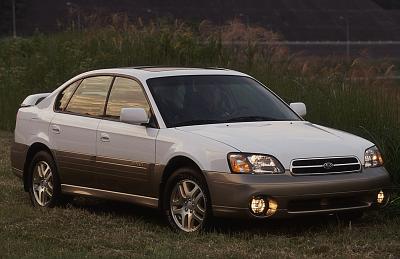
<point x="146" y="72"/>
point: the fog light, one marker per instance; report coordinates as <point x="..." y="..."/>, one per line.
<point x="263" y="207"/>
<point x="273" y="206"/>
<point x="257" y="205"/>
<point x="381" y="197"/>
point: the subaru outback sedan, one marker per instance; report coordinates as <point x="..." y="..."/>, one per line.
<point x="194" y="143"/>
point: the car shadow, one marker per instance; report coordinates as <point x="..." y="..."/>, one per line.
<point x="118" y="209"/>
<point x="290" y="226"/>
<point x="287" y="226"/>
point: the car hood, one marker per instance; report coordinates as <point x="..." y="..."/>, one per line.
<point x="284" y="140"/>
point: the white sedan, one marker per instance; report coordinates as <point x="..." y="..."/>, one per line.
<point x="194" y="143"/>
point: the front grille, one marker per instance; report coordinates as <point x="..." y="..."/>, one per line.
<point x="328" y="165"/>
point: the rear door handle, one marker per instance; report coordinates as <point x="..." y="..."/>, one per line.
<point x="104" y="137"/>
<point x="56" y="129"/>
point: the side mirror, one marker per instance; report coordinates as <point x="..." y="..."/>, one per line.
<point x="299" y="108"/>
<point x="136" y="116"/>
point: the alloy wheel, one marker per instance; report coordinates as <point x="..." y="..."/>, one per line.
<point x="42" y="183"/>
<point x="188" y="205"/>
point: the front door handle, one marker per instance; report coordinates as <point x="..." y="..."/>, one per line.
<point x="56" y="129"/>
<point x="104" y="137"/>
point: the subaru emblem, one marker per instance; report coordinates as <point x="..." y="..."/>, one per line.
<point x="328" y="165"/>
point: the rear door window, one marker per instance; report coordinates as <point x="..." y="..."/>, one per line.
<point x="90" y="97"/>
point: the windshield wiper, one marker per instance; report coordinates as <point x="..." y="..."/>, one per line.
<point x="195" y="122"/>
<point x="250" y="118"/>
<point x="235" y="119"/>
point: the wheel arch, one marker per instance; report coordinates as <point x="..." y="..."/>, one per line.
<point x="173" y="164"/>
<point x="31" y="152"/>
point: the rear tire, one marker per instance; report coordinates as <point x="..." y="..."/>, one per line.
<point x="44" y="182"/>
<point x="186" y="202"/>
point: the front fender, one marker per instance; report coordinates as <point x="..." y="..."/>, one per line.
<point x="208" y="154"/>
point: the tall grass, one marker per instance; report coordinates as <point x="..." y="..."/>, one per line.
<point x="338" y="94"/>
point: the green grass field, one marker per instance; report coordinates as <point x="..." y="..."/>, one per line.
<point x="94" y="228"/>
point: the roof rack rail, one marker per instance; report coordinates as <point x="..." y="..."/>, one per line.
<point x="217" y="68"/>
<point x="144" y="67"/>
<point x="160" y="66"/>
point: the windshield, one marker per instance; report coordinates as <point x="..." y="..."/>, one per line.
<point x="207" y="99"/>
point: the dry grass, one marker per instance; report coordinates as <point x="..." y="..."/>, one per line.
<point x="93" y="228"/>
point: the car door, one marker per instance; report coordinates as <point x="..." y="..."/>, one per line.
<point x="73" y="129"/>
<point x="126" y="152"/>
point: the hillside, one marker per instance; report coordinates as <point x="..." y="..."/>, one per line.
<point x="295" y="19"/>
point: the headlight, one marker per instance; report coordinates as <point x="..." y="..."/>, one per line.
<point x="254" y="164"/>
<point x="373" y="157"/>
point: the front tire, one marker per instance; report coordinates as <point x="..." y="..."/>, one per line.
<point x="186" y="201"/>
<point x="44" y="184"/>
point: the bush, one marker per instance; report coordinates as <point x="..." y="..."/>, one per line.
<point x="344" y="95"/>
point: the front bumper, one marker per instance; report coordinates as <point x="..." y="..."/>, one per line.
<point x="296" y="195"/>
